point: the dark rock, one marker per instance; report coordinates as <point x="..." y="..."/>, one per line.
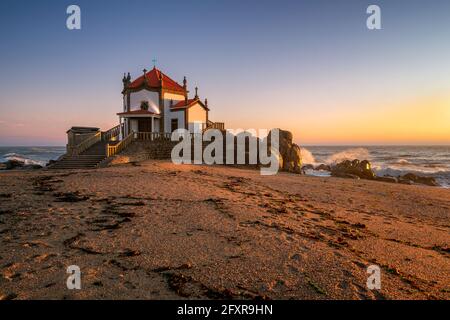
<point x="324" y="167"/>
<point x="50" y="162"/>
<point x="32" y="166"/>
<point x="12" y="164"/>
<point x="347" y="169"/>
<point x="411" y="178"/>
<point x="387" y="179"/>
<point x="404" y="181"/>
<point x="308" y="167"/>
<point x="16" y="164"/>
<point x="291" y="159"/>
<point x="345" y="175"/>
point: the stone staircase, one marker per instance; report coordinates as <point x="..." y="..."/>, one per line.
<point x="100" y="149"/>
<point x="87" y="160"/>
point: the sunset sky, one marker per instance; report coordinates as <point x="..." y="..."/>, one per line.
<point x="310" y="67"/>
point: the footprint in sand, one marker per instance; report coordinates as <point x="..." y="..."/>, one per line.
<point x="8" y="296"/>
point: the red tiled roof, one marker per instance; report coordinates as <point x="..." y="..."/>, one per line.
<point x="182" y="104"/>
<point x="153" y="78"/>
<point x="136" y="112"/>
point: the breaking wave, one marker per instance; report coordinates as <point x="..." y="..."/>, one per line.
<point x="350" y="154"/>
<point x="22" y="158"/>
<point x="307" y="156"/>
<point x="403" y="161"/>
<point x="386" y="161"/>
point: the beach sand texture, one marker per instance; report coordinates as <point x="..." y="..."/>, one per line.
<point x="161" y="231"/>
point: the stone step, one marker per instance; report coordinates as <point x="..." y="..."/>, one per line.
<point x="88" y="159"/>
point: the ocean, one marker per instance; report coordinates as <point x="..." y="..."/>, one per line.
<point x="31" y="155"/>
<point x="386" y="160"/>
<point x="431" y="161"/>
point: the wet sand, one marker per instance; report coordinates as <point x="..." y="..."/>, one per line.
<point x="161" y="231"/>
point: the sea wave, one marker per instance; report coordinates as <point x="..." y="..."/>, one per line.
<point x="384" y="164"/>
<point x="402" y="161"/>
<point x="21" y="158"/>
<point x="395" y="171"/>
<point x="349" y="154"/>
<point x="307" y="156"/>
<point x="317" y="173"/>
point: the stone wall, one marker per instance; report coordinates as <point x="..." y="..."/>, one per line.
<point x="290" y="160"/>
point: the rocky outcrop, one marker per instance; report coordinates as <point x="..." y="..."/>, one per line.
<point x="323" y="167"/>
<point x="411" y="178"/>
<point x="351" y="169"/>
<point x="291" y="159"/>
<point x="362" y="170"/>
<point x="386" y="179"/>
<point x="51" y="162"/>
<point x="16" y="164"/>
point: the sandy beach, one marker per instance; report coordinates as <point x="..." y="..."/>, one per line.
<point x="155" y="230"/>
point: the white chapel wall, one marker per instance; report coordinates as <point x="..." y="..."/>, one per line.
<point x="179" y="115"/>
<point x="167" y="120"/>
<point x="144" y="95"/>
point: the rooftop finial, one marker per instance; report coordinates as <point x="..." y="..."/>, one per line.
<point x="184" y="83"/>
<point x="154" y="62"/>
<point x="196" y="92"/>
<point x="145" y="77"/>
<point x="206" y="102"/>
<point x="126" y="80"/>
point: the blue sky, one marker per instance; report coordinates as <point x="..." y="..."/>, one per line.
<point x="311" y="67"/>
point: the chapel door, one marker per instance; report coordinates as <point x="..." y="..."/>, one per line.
<point x="145" y="125"/>
<point x="174" y="125"/>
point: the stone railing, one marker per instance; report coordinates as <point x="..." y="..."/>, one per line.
<point x="214" y="125"/>
<point x="112" y="150"/>
<point x="86" y="144"/>
<point x="112" y="133"/>
<point x="152" y="136"/>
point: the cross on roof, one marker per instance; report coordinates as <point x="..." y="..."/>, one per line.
<point x="154" y="62"/>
